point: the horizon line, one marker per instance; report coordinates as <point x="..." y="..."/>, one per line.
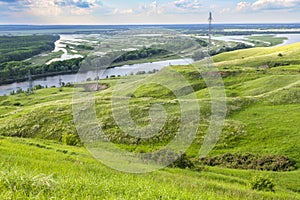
<point x="140" y="24"/>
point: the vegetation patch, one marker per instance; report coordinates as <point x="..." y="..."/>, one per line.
<point x="167" y="156"/>
<point x="141" y="54"/>
<point x="261" y="183"/>
<point x="71" y="139"/>
<point x="250" y="161"/>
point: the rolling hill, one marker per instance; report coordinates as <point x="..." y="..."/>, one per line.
<point x="263" y="110"/>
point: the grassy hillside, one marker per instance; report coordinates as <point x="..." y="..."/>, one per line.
<point x="263" y="111"/>
<point x="39" y="169"/>
<point x="261" y="57"/>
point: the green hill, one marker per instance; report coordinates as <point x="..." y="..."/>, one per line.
<point x="260" y="57"/>
<point x="263" y="111"/>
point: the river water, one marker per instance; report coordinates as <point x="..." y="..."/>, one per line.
<point x="292" y="38"/>
<point x="75" y="78"/>
<point x="61" y="44"/>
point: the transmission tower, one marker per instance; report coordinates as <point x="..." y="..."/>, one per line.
<point x="210" y="19"/>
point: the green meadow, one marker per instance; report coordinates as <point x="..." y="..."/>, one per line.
<point x="262" y="87"/>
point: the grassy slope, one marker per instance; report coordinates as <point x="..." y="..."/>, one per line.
<point x="257" y="57"/>
<point x="73" y="173"/>
<point x="263" y="111"/>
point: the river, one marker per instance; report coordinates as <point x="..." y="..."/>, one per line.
<point x="292" y="38"/>
<point x="75" y="78"/>
<point x="61" y="44"/>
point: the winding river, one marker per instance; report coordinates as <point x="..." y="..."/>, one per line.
<point x="75" y="78"/>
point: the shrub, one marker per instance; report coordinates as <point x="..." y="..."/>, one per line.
<point x="183" y="162"/>
<point x="140" y="73"/>
<point x="17" y="104"/>
<point x="166" y="156"/>
<point x="262" y="184"/>
<point x="38" y="87"/>
<point x="12" y="92"/>
<point x="69" y="85"/>
<point x="70" y="139"/>
<point x="19" y="91"/>
<point x="250" y="161"/>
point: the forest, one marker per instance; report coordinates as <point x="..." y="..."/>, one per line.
<point x="17" y="48"/>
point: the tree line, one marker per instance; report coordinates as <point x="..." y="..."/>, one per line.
<point x="198" y="55"/>
<point x="141" y="54"/>
<point x="19" y="71"/>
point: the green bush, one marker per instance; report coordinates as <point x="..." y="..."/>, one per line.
<point x="17" y="104"/>
<point x="183" y="162"/>
<point x="251" y="161"/>
<point x="38" y="87"/>
<point x="262" y="184"/>
<point x="170" y="158"/>
<point x="70" y="139"/>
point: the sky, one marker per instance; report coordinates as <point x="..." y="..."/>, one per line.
<point x="147" y="11"/>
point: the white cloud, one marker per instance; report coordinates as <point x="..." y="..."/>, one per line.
<point x="52" y="7"/>
<point x="225" y="10"/>
<point x="153" y="5"/>
<point x="187" y="4"/>
<point x="243" y="6"/>
<point x="42" y="8"/>
<point x="78" y="3"/>
<point x="150" y="9"/>
<point x="274" y="4"/>
<point x="268" y="5"/>
<point x="122" y="12"/>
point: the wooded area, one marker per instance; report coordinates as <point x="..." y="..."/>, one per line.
<point x="18" y="71"/>
<point x="17" y="48"/>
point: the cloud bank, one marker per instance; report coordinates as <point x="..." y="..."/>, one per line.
<point x="268" y="5"/>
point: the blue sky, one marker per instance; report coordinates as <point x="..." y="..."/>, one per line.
<point x="147" y="11"/>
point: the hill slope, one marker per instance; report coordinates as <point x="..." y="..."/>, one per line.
<point x="264" y="56"/>
<point x="263" y="110"/>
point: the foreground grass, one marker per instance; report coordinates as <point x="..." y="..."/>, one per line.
<point x="62" y="172"/>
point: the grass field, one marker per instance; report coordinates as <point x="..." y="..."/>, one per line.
<point x="263" y="111"/>
<point x="39" y="169"/>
